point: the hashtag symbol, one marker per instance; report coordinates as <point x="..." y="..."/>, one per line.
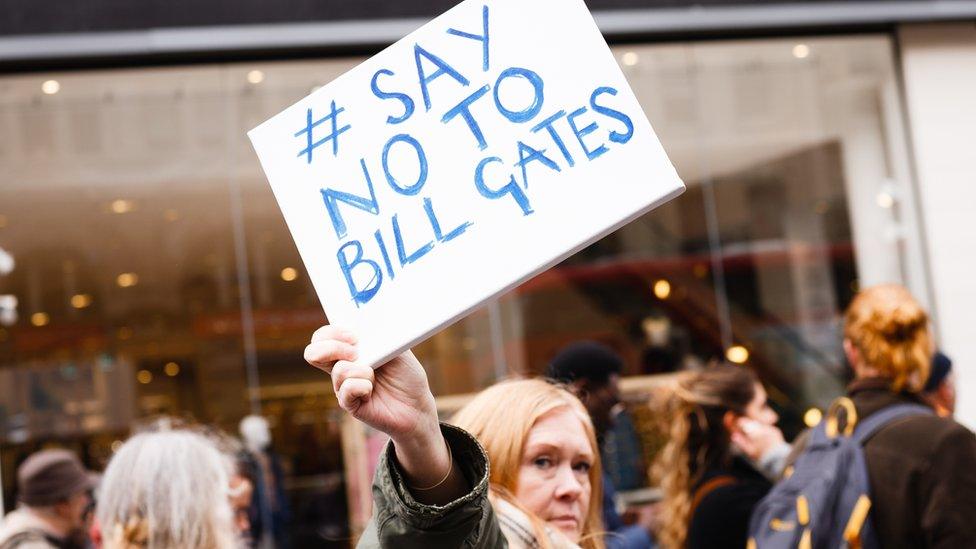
<point x="310" y="125"/>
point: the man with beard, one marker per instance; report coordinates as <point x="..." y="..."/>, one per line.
<point x="55" y="504"/>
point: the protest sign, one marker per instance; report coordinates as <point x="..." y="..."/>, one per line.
<point x="469" y="156"/>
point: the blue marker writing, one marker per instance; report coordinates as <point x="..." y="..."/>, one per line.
<point x="547" y="125"/>
<point x="616" y="137"/>
<point x="464" y="109"/>
<point x="401" y="97"/>
<point x="408" y="190"/>
<point x="483" y="38"/>
<point x="435" y="224"/>
<point x="510" y="188"/>
<point x="405" y="258"/>
<point x="442" y="69"/>
<point x="332" y="198"/>
<point x="533" y="156"/>
<point x="362" y="296"/>
<point x="580" y="133"/>
<point x="537" y="88"/>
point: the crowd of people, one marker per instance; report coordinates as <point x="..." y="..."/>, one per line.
<point x="520" y="464"/>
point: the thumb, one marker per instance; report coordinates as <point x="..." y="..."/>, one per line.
<point x="353" y="393"/>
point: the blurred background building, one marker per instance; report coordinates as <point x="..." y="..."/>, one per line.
<point x="826" y="146"/>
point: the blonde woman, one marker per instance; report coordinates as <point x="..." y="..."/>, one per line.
<point x="167" y="490"/>
<point x="433" y="487"/>
<point x="710" y="485"/>
<point x="922" y="469"/>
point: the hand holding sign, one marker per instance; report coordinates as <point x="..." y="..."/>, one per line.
<point x="469" y="156"/>
<point x="396" y="400"/>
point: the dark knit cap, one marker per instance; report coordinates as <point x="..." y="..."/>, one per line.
<point x="586" y="360"/>
<point x="50" y="476"/>
<point x="941" y="366"/>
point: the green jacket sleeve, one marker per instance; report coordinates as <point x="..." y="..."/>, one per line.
<point x="400" y="522"/>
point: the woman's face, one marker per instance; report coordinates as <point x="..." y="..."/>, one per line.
<point x="553" y="479"/>
<point x="759" y="410"/>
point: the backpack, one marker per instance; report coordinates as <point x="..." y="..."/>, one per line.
<point x="825" y="500"/>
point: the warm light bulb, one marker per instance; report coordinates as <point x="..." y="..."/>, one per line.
<point x="662" y="289"/>
<point x="801" y="51"/>
<point x="122" y="206"/>
<point x="885" y="200"/>
<point x="812" y="417"/>
<point x="127" y="280"/>
<point x="51" y="87"/>
<point x="40" y="319"/>
<point x="737" y="354"/>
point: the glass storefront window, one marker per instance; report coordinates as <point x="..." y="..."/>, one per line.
<point x="154" y="273"/>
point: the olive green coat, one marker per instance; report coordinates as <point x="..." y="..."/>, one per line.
<point x="400" y="522"/>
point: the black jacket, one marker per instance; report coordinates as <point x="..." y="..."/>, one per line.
<point x="721" y="517"/>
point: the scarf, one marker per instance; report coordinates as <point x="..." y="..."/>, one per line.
<point x="517" y="528"/>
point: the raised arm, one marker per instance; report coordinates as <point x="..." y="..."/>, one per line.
<point x="394" y="398"/>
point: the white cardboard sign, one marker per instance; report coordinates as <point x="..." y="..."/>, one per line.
<point x="474" y="153"/>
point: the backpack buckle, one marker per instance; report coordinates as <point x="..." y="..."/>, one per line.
<point x="832" y="427"/>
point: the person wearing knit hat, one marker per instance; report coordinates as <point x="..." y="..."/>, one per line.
<point x="54" y="503"/>
<point x="940" y="389"/>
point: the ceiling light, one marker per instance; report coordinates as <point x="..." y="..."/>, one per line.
<point x="144" y="377"/>
<point x="80" y="301"/>
<point x="629" y="59"/>
<point x="255" y="77"/>
<point x="40" y="319"/>
<point x="812" y="417"/>
<point x="122" y="206"/>
<point x="801" y="51"/>
<point x="127" y="280"/>
<point x="737" y="354"/>
<point x="171" y="369"/>
<point x="51" y="87"/>
<point x="288" y="274"/>
<point x="662" y="289"/>
<point x="885" y="199"/>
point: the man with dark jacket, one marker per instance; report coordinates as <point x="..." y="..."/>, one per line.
<point x="54" y="496"/>
<point x="921" y="468"/>
<point x="922" y="471"/>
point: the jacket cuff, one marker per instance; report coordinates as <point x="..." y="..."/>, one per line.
<point x="468" y="456"/>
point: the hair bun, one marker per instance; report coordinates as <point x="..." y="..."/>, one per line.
<point x="904" y="322"/>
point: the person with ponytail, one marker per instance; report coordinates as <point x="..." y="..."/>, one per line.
<point x="710" y="484"/>
<point x="433" y="486"/>
<point x="922" y="469"/>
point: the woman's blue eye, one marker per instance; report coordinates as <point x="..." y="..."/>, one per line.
<point x="583" y="467"/>
<point x="542" y="462"/>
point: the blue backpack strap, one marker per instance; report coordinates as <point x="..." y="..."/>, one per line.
<point x="865" y="429"/>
